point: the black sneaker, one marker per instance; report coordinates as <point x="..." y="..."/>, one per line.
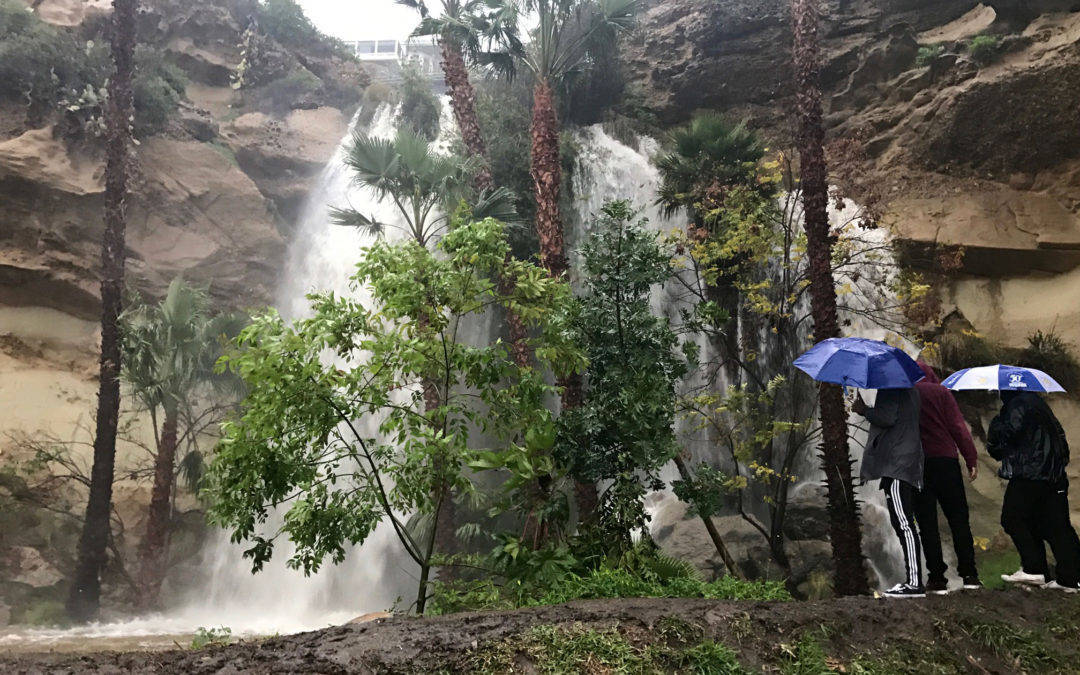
<point x="905" y="591"/>
<point x="972" y="584"/>
<point x="937" y="587"/>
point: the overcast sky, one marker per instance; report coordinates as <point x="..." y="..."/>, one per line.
<point x="361" y="19"/>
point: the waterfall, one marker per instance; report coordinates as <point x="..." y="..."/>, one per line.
<point x="322" y="256"/>
<point x="608" y="169"/>
<point x="221" y="590"/>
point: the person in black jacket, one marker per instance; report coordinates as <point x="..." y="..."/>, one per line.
<point x="1028" y="440"/>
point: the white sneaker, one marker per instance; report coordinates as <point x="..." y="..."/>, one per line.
<point x="1022" y="577"/>
<point x="1055" y="586"/>
<point x="905" y="591"/>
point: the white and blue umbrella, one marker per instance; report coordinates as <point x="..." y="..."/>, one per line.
<point x="999" y="377"/>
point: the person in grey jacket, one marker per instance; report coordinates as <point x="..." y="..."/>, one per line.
<point x="894" y="454"/>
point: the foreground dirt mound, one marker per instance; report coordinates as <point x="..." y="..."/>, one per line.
<point x="983" y="632"/>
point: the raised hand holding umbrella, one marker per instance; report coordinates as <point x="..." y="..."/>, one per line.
<point x="893" y="452"/>
<point x="860" y="362"/>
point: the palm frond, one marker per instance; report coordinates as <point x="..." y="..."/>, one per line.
<point x="498" y="204"/>
<point x="353" y="218"/>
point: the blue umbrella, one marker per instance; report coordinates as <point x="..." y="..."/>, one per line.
<point x="999" y="377"/>
<point x="860" y="362"/>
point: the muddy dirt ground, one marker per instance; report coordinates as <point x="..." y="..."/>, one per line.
<point x="979" y="632"/>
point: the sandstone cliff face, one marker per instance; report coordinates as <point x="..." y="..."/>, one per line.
<point x="215" y="198"/>
<point x="981" y="153"/>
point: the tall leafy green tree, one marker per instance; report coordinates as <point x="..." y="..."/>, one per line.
<point x="347" y="445"/>
<point x="623" y="432"/>
<point x="711" y="159"/>
<point x="170" y="349"/>
<point x="85" y="597"/>
<point x="844" y="531"/>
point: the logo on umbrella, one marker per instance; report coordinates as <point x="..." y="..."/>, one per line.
<point x="1016" y="380"/>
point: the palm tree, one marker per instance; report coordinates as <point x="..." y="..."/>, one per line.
<point x="467" y="29"/>
<point x="844" y="532"/>
<point x="169" y="353"/>
<point x="560" y="45"/>
<point x="708" y="157"/>
<point x="84" y="599"/>
<point x="424" y="186"/>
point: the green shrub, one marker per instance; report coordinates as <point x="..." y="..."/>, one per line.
<point x="158" y="87"/>
<point x="967" y="349"/>
<point x="211" y="637"/>
<point x="50" y="68"/>
<point x="420" y="108"/>
<point x="604" y="582"/>
<point x="984" y="49"/>
<point x="927" y="54"/>
<point x="44" y="612"/>
<point x="1048" y="352"/>
<point x="40" y="64"/>
<point x="285" y="21"/>
<point x="290" y="91"/>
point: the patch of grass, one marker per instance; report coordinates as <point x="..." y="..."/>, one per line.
<point x="984" y="49"/>
<point x="907" y="661"/>
<point x="993" y="564"/>
<point x="927" y="54"/>
<point x="576" y="649"/>
<point x="1025" y="649"/>
<point x="805" y="657"/>
<point x="225" y="151"/>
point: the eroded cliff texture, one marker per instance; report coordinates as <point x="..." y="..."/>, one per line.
<point x="970" y="148"/>
<point x="216" y="194"/>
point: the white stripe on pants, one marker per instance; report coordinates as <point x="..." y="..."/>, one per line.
<point x="906" y="533"/>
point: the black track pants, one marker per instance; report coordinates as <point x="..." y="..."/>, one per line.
<point x="943" y="484"/>
<point x="900" y="498"/>
<point x="1037" y="511"/>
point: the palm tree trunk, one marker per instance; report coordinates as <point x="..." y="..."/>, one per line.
<point x="463" y="103"/>
<point x="546" y="172"/>
<point x="85" y="595"/>
<point x="850" y="571"/>
<point x="153" y="554"/>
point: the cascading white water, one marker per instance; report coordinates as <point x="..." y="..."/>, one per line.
<point x="608" y="169"/>
<point x="322" y="256"/>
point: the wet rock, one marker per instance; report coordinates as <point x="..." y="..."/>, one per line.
<point x="727" y="53"/>
<point x="284" y="156"/>
<point x="199" y="123"/>
<point x="26" y="566"/>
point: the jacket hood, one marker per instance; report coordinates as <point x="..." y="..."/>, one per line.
<point x="931" y="376"/>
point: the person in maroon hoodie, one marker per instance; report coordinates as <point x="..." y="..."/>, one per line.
<point x="945" y="436"/>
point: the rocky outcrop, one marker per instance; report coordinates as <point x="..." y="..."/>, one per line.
<point x="282" y="156"/>
<point x="214" y="199"/>
<point x="692" y="54"/>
